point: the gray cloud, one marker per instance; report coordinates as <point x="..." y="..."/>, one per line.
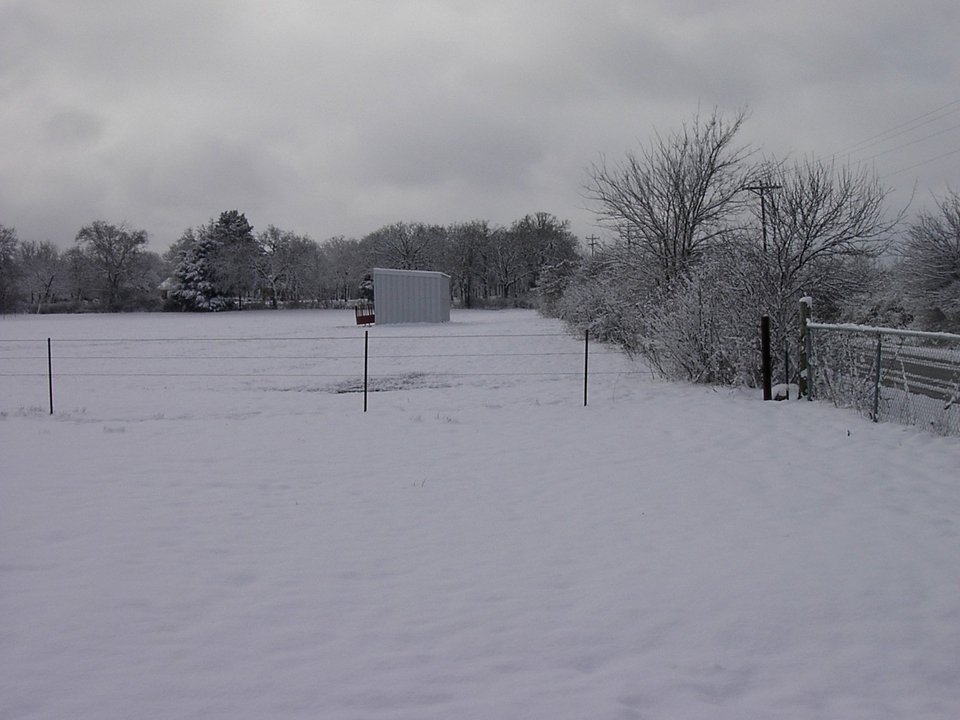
<point x="337" y="117"/>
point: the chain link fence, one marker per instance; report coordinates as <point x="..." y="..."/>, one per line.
<point x="900" y="376"/>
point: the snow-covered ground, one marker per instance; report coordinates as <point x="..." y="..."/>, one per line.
<point x="216" y="529"/>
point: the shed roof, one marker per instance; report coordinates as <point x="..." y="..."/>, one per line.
<point x="423" y="273"/>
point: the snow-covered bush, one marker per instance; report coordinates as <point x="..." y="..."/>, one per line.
<point x="700" y="328"/>
<point x="605" y="303"/>
<point x="705" y="327"/>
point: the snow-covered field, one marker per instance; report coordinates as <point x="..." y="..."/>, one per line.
<point x="216" y="529"/>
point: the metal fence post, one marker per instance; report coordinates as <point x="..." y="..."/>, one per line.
<point x="876" y="385"/>
<point x="50" y="372"/>
<point x="366" y="355"/>
<point x="586" y="362"/>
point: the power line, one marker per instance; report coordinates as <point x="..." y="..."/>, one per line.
<point x="915" y="126"/>
<point x="921" y="163"/>
<point x="912" y="142"/>
<point x="913" y="123"/>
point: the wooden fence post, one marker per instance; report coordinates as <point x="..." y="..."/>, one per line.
<point x="765" y="356"/>
<point x="806" y="303"/>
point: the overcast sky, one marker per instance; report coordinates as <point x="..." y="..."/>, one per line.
<point x="331" y="117"/>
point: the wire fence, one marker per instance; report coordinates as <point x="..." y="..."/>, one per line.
<point x="901" y="376"/>
<point x="334" y="364"/>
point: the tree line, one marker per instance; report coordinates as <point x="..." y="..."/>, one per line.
<point x="708" y="234"/>
<point x="224" y="264"/>
<point x="704" y="235"/>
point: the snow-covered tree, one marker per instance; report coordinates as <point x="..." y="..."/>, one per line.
<point x="80" y="275"/>
<point x="345" y="262"/>
<point x="197" y="284"/>
<point x="113" y="250"/>
<point x="214" y="263"/>
<point x="10" y="271"/>
<point x="285" y="264"/>
<point x="822" y="221"/>
<point x="467" y="259"/>
<point x="930" y="264"/>
<point x="236" y="254"/>
<point x="677" y="197"/>
<point x="542" y="241"/>
<point x="42" y="269"/>
<point x="689" y="274"/>
<point x="406" y="246"/>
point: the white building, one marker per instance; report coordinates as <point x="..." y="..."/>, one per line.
<point x="410" y="296"/>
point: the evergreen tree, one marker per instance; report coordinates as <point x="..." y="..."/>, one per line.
<point x="214" y="263"/>
<point x="195" y="273"/>
<point x="236" y="254"/>
<point x="10" y="271"/>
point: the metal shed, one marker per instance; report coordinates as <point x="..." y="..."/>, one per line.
<point x="411" y="296"/>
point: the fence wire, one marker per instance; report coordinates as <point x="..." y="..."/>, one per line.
<point x="906" y="377"/>
<point x="153" y="367"/>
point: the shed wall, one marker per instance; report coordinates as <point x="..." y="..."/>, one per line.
<point x="409" y="296"/>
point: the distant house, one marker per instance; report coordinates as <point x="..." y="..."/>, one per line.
<point x="410" y="296"/>
<point x="166" y="286"/>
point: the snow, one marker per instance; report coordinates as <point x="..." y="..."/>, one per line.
<point x="785" y="391"/>
<point x="238" y="539"/>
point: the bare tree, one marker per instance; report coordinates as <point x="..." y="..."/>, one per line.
<point x="274" y="263"/>
<point x="820" y="218"/>
<point x="468" y="254"/>
<point x="688" y="274"/>
<point x="284" y="264"/>
<point x="308" y="268"/>
<point x="930" y="262"/>
<point x="543" y="242"/>
<point x="79" y="274"/>
<point x="113" y="250"/>
<point x="825" y="225"/>
<point x="507" y="268"/>
<point x="405" y="246"/>
<point x="346" y="262"/>
<point x="678" y="195"/>
<point x="42" y="269"/>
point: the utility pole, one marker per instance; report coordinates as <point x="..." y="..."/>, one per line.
<point x="761" y="189"/>
<point x="593" y="243"/>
